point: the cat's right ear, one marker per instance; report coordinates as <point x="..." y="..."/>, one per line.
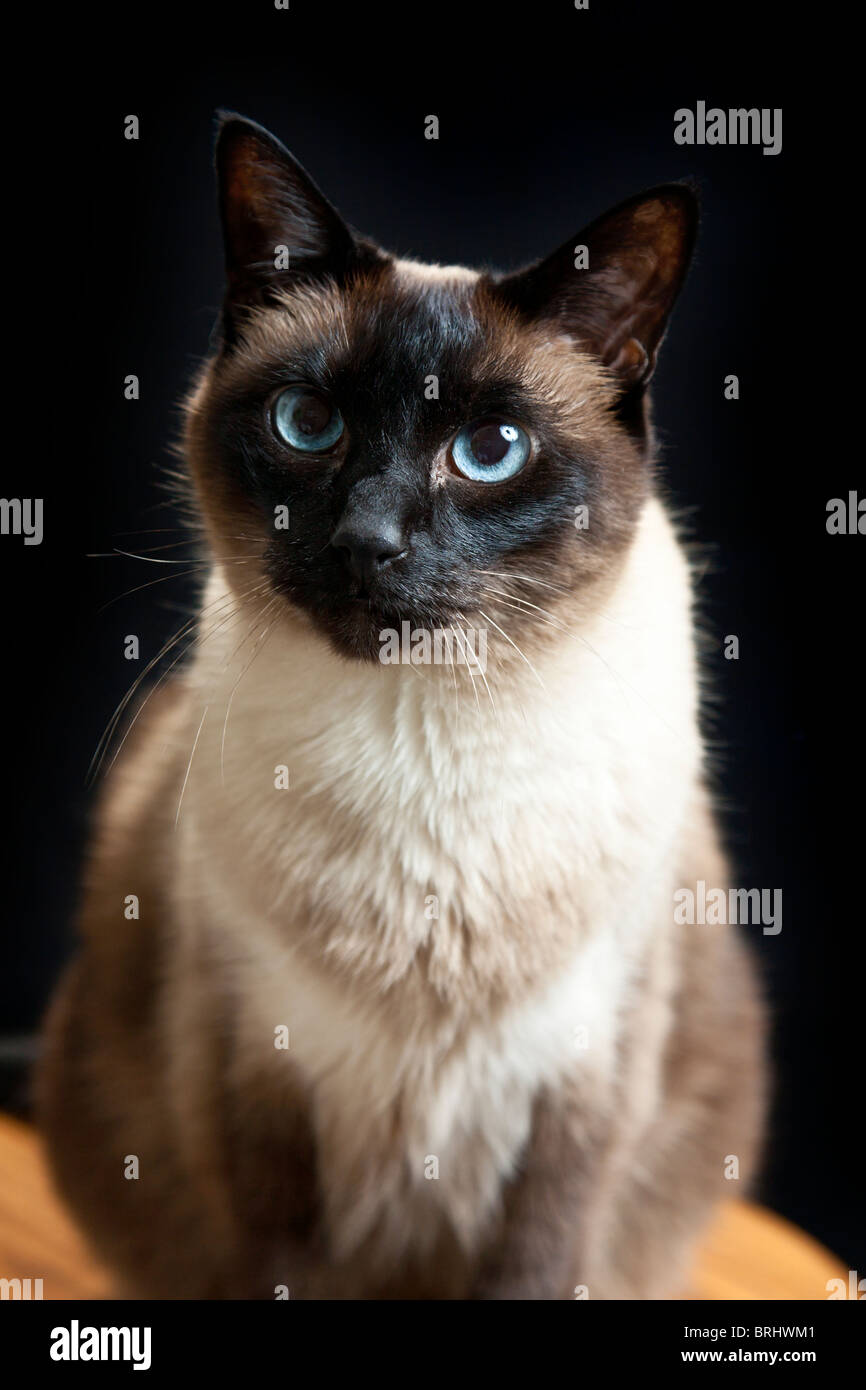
<point x="277" y="225"/>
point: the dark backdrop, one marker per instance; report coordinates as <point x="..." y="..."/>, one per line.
<point x="547" y="116"/>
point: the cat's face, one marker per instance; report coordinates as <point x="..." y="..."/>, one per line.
<point x="380" y="442"/>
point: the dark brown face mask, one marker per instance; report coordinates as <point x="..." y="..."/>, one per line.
<point x="404" y="421"/>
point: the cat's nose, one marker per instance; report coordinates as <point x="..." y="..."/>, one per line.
<point x="369" y="547"/>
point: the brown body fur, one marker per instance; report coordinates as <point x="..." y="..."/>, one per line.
<point x="607" y="1196"/>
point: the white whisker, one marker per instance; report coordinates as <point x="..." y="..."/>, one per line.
<point x="523" y="657"/>
<point x="189" y="764"/>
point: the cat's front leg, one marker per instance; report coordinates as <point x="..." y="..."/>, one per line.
<point x="536" y="1253"/>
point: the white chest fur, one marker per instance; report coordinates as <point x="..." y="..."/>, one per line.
<point x="445" y="906"/>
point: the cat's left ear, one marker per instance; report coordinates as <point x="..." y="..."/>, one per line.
<point x="277" y="225"/>
<point x="613" y="286"/>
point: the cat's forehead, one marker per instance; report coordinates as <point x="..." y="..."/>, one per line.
<point x="415" y="321"/>
<point x="401" y="307"/>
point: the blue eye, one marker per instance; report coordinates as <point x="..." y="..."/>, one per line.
<point x="306" y="420"/>
<point x="490" y="450"/>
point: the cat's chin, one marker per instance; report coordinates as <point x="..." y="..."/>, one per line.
<point x="360" y="629"/>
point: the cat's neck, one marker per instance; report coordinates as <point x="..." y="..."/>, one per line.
<point x="277" y="695"/>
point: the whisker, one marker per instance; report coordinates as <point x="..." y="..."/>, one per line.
<point x="107" y="554"/>
<point x="515" y="598"/>
<point x="105" y="739"/>
<point x="184" y="630"/>
<point x="189" y="764"/>
<point x="525" y="658"/>
<point x="454" y="680"/>
<point x="197" y="640"/>
<point x="194" y="568"/>
<point x="528" y="578"/>
<point x="457" y="629"/>
<point x="553" y="622"/>
<point x="192" y="536"/>
<point x="483" y="677"/>
<point x="148" y="585"/>
<point x="557" y="589"/>
<point x="151" y="560"/>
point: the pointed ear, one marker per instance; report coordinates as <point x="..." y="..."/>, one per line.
<point x="277" y="226"/>
<point x="617" y="306"/>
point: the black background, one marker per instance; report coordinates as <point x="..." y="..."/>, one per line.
<point x="547" y="116"/>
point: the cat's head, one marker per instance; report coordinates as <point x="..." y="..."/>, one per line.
<point x="381" y="442"/>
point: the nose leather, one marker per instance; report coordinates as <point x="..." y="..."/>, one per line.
<point x="370" y="545"/>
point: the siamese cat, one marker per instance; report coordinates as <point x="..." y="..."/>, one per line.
<point x="403" y="1010"/>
